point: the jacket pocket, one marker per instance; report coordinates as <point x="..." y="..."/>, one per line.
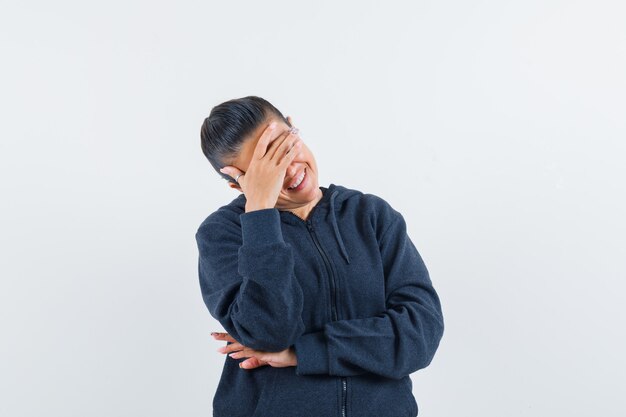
<point x="303" y="395"/>
<point x="374" y="396"/>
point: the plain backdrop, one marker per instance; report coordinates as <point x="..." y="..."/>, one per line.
<point x="496" y="128"/>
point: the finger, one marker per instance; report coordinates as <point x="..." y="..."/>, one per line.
<point x="252" y="363"/>
<point x="273" y="149"/>
<point x="242" y="354"/>
<point x="230" y="348"/>
<point x="223" y="336"/>
<point x="232" y="172"/>
<point x="246" y="352"/>
<point x="291" y="154"/>
<point x="261" y="146"/>
<point x="285" y="146"/>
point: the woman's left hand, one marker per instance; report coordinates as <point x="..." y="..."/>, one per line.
<point x="256" y="358"/>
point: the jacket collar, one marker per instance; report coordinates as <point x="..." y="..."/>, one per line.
<point x="331" y="201"/>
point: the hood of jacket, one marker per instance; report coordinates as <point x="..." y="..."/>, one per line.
<point x="332" y="201"/>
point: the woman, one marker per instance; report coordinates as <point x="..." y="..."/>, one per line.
<point x="327" y="304"/>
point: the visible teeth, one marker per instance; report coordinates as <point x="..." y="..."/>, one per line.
<point x="300" y="178"/>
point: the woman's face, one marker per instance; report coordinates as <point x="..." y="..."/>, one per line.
<point x="309" y="192"/>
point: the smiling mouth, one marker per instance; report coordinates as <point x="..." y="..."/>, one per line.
<point x="299" y="184"/>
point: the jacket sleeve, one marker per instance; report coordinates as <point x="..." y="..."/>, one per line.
<point x="248" y="282"/>
<point x="394" y="343"/>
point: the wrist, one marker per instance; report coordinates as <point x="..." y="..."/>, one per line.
<point x="254" y="207"/>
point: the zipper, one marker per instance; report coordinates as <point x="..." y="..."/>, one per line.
<point x="333" y="293"/>
<point x="344" y="397"/>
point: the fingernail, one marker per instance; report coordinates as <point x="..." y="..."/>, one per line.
<point x="240" y="364"/>
<point x="272" y="125"/>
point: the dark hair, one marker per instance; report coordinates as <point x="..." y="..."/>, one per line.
<point x="223" y="133"/>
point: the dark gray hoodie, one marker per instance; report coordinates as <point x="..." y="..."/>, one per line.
<point x="346" y="288"/>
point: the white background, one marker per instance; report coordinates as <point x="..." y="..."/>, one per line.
<point x="496" y="128"/>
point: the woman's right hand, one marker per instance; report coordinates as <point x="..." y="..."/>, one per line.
<point x="255" y="358"/>
<point x="265" y="177"/>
